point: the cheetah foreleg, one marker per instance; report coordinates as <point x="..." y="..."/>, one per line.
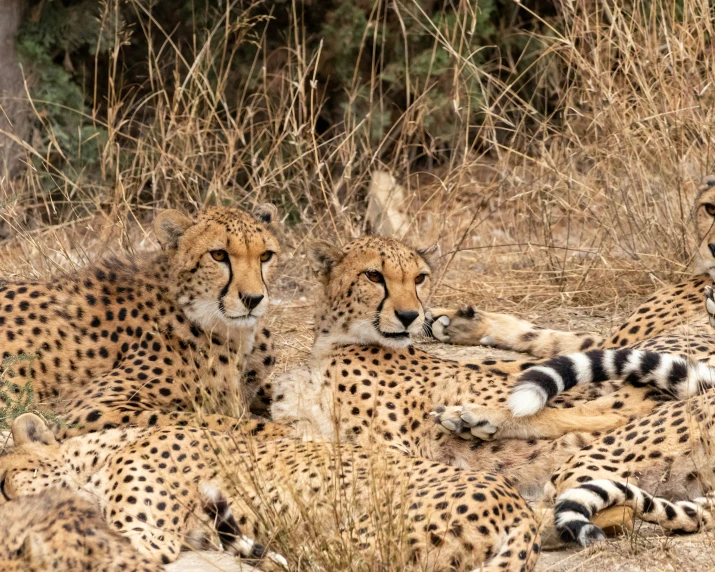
<point x="468" y="326"/>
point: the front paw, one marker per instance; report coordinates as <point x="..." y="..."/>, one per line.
<point x="468" y="422"/>
<point x="462" y="326"/>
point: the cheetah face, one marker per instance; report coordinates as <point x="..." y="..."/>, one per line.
<point x="35" y="462"/>
<point x="373" y="292"/>
<point x="222" y="263"/>
<point x="705" y="220"/>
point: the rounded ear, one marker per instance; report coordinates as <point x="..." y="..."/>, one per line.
<point x="29" y="428"/>
<point x="169" y="226"/>
<point x="266" y="213"/>
<point x="430" y="254"/>
<point x="323" y="257"/>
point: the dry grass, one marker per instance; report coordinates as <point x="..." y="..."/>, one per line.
<point x="585" y="208"/>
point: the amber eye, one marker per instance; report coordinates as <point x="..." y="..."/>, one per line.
<point x="267" y="255"/>
<point x="219" y="255"/>
<point x="710" y="209"/>
<point x="420" y="278"/>
<point x="373" y="276"/>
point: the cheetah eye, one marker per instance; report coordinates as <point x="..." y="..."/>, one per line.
<point x="374" y="276"/>
<point x="267" y="255"/>
<point x="420" y="278"/>
<point x="219" y="255"/>
<point x="710" y="209"/>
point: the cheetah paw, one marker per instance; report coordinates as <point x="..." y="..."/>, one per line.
<point x="462" y="326"/>
<point x="465" y="422"/>
<point x="710" y="305"/>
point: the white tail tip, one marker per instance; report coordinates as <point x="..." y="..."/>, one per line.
<point x="526" y="399"/>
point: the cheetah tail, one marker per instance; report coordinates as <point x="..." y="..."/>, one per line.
<point x="215" y="505"/>
<point x="671" y="373"/>
<point x="575" y="508"/>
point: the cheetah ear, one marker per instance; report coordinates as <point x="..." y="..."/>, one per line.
<point x="29" y="428"/>
<point x="323" y="257"/>
<point x="266" y="213"/>
<point x="169" y="226"/>
<point x="430" y="254"/>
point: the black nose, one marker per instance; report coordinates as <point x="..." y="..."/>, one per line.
<point x="711" y="246"/>
<point x="251" y="301"/>
<point x="406" y="317"/>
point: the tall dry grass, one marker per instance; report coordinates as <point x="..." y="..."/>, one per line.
<point x="587" y="205"/>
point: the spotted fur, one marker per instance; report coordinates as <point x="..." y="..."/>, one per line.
<point x="167" y="486"/>
<point x="363" y="387"/>
<point x="62" y="531"/>
<point x="145" y="340"/>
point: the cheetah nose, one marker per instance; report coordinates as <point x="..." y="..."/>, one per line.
<point x="251" y="301"/>
<point x="711" y="246"/>
<point x="406" y="317"/>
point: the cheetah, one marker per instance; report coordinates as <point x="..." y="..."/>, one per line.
<point x="167" y="487"/>
<point x="366" y="383"/>
<point x="142" y="340"/>
<point x="665" y="453"/>
<point x="671" y="322"/>
<point x="58" y="529"/>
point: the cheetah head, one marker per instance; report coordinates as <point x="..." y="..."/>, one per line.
<point x="35" y="462"/>
<point x="222" y="263"/>
<point x="705" y="220"/>
<point x="373" y="292"/>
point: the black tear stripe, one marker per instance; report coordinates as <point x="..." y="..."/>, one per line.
<point x="380" y="306"/>
<point x="224" y="290"/>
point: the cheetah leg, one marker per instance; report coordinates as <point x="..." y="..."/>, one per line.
<point x="468" y="326"/>
<point x="602" y="414"/>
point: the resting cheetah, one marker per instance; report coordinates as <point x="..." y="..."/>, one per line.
<point x="164" y="487"/>
<point x="671" y="321"/>
<point x="142" y="340"/>
<point x="59" y="530"/>
<point x="366" y="383"/>
<point x="666" y="453"/>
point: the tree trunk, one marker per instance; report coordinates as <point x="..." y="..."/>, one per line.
<point x="13" y="110"/>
